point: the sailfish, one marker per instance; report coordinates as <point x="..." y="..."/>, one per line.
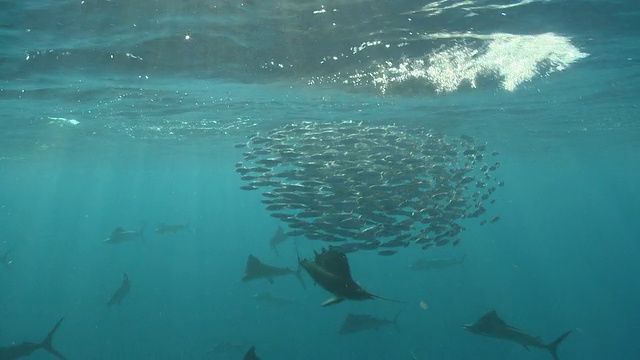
<point x="330" y="269"/>
<point x="490" y="324"/>
<point x="27" y="348"/>
<point x="256" y="269"/>
<point x="121" y="292"/>
<point x="277" y="238"/>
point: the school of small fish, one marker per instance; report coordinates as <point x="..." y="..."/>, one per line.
<point x="366" y="187"/>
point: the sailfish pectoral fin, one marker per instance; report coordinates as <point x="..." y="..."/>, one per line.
<point x="271" y="281"/>
<point x="333" y="300"/>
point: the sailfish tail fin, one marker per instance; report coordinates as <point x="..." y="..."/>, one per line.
<point x="395" y="319"/>
<point x="553" y="347"/>
<point x="299" y="271"/>
<point x="47" y="343"/>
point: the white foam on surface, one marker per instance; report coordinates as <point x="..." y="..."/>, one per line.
<point x="63" y="121"/>
<point x="513" y="59"/>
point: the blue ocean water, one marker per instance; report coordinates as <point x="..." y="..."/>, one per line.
<point x="126" y="113"/>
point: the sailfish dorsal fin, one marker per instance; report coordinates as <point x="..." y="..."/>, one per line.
<point x="493" y="318"/>
<point x="335" y="262"/>
<point x="253" y="263"/>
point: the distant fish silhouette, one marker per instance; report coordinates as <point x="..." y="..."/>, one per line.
<point x="278" y="238"/>
<point x="330" y="269"/>
<point x="26" y="348"/>
<point x="224" y="348"/>
<point x="268" y="298"/>
<point x="359" y="322"/>
<point x="255" y="269"/>
<point x="5" y="259"/>
<point x="492" y="325"/>
<point x="432" y="264"/>
<point x="172" y="228"/>
<point x="120" y="235"/>
<point x="251" y="354"/>
<point x="121" y="292"/>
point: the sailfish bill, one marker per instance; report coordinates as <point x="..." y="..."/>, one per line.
<point x="490" y="324"/>
<point x="330" y="269"/>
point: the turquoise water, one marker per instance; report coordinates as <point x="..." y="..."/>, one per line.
<point x="122" y="114"/>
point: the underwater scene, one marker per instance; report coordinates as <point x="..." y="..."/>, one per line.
<point x="302" y="179"/>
